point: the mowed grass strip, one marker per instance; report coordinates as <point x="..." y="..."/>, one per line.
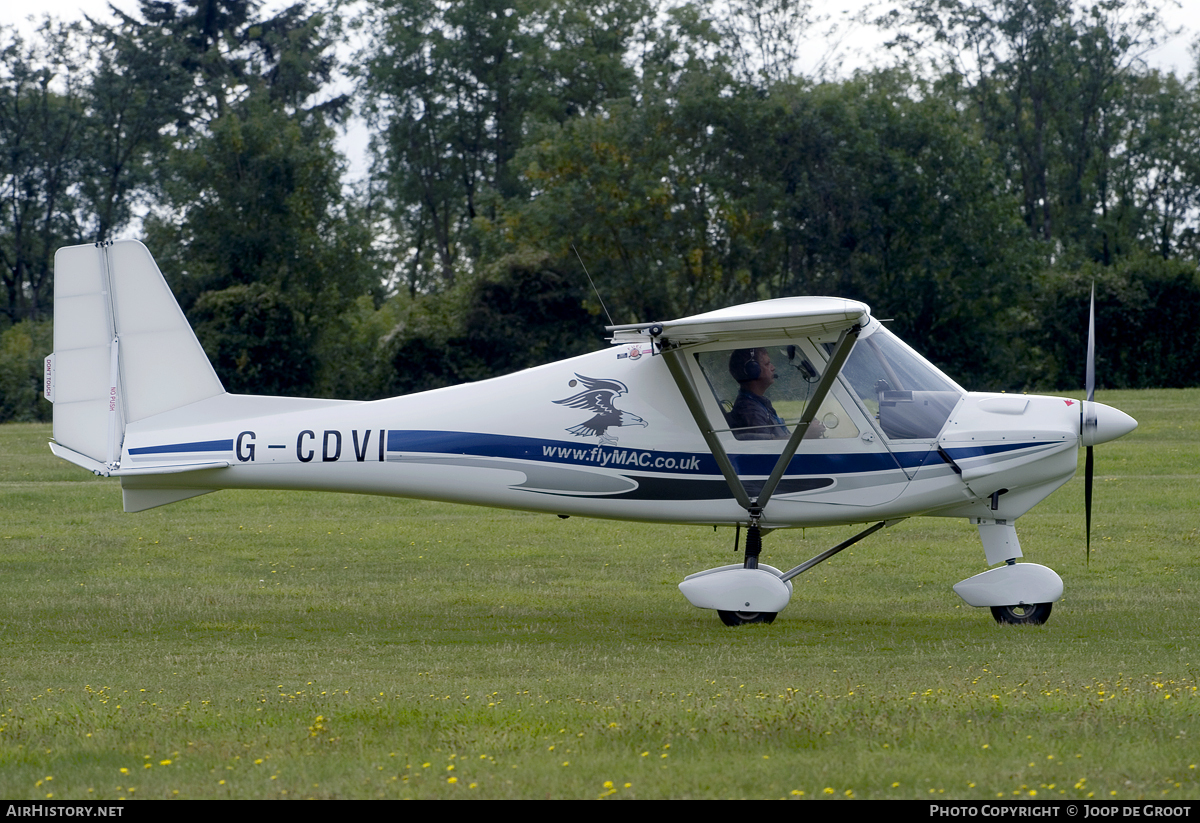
<point x="288" y="645"/>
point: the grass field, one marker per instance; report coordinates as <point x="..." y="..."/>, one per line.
<point x="287" y="645"/>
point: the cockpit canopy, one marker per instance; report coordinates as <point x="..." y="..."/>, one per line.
<point x="909" y="397"/>
<point x="904" y="395"/>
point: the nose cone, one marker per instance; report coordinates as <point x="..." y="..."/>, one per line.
<point x="1102" y="423"/>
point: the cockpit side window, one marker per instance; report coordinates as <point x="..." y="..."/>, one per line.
<point x="763" y="391"/>
<point x="909" y="397"/>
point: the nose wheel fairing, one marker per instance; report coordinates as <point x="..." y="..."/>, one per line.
<point x="1019" y="584"/>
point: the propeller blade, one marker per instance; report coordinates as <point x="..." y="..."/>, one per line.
<point x="1090" y="376"/>
<point x="1087" y="424"/>
<point x="1087" y="503"/>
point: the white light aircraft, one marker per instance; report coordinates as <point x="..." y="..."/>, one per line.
<point x="673" y="423"/>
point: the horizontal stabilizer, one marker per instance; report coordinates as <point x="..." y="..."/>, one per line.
<point x="82" y="460"/>
<point x="169" y="468"/>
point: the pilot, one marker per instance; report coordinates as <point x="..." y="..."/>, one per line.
<point x="753" y="417"/>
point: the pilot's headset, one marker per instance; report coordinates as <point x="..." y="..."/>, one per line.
<point x="744" y="365"/>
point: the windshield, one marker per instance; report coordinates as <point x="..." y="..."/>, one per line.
<point x="908" y="396"/>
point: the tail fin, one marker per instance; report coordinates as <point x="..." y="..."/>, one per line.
<point x="123" y="350"/>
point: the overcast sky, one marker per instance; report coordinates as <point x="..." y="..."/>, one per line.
<point x="856" y="46"/>
<point x="1173" y="55"/>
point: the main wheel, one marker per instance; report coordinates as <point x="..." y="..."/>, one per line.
<point x="742" y="618"/>
<point x="1024" y="615"/>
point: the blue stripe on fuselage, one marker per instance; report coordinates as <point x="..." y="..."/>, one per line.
<point x="558" y="451"/>
<point x="173" y="448"/>
<point x="574" y="453"/>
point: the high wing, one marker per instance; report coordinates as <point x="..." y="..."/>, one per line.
<point x="785" y="317"/>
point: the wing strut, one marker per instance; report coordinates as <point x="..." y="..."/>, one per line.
<point x="687" y="387"/>
<point x="840" y="352"/>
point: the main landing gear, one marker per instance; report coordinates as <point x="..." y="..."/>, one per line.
<point x="754" y="592"/>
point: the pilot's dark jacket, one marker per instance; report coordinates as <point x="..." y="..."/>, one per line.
<point x="751" y="409"/>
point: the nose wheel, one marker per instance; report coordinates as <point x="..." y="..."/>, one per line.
<point x="1026" y="614"/>
<point x="744" y="618"/>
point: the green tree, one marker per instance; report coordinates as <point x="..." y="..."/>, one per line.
<point x="661" y="194"/>
<point x="1142" y="304"/>
<point x="520" y="312"/>
<point x="873" y="188"/>
<point x="889" y="196"/>
<point x="252" y="227"/>
<point x="1150" y="193"/>
<point x="450" y="89"/>
<point x="256" y="339"/>
<point x="23" y="348"/>
<point x="135" y="97"/>
<point x="258" y="202"/>
<point x="1051" y="82"/>
<point x="42" y="118"/>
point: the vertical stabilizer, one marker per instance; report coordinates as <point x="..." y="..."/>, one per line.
<point x="123" y="350"/>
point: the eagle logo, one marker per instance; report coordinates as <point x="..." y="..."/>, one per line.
<point x="597" y="396"/>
